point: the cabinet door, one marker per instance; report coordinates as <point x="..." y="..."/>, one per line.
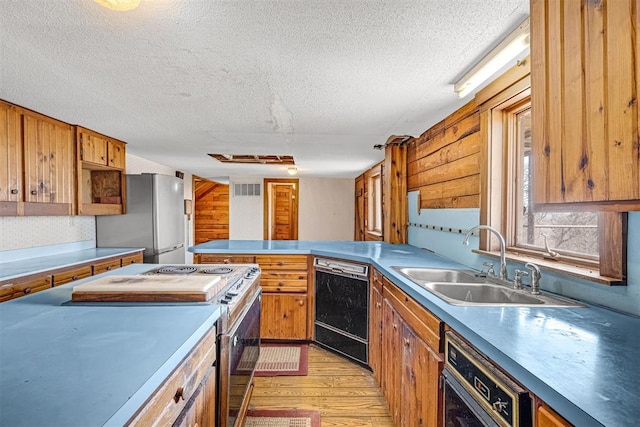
<point x="375" y="331"/>
<point x="585" y="80"/>
<point x="48" y="162"/>
<point x="10" y="155"/>
<point x="93" y="147"/>
<point x="116" y="154"/>
<point x="201" y="408"/>
<point x="284" y="316"/>
<point x="546" y="417"/>
<point x="420" y="375"/>
<point x="391" y="359"/>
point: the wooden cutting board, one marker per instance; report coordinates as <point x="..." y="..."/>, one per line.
<point x="148" y="289"/>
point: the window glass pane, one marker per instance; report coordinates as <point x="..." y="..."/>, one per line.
<point x="378" y="207"/>
<point x="574" y="233"/>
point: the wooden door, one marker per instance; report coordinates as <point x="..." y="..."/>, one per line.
<point x="49" y="156"/>
<point x="360" y="218"/>
<point x="284" y="316"/>
<point x="10" y="155"/>
<point x="211" y="211"/>
<point x="281" y="209"/>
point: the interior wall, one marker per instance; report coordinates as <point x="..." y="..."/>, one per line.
<point x="325" y="210"/>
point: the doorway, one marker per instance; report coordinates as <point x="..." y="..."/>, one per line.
<point x="281" y="209"/>
<point x="211" y="210"/>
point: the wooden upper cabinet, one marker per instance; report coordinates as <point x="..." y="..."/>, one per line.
<point x="585" y="78"/>
<point x="100" y="149"/>
<point x="49" y="165"/>
<point x="10" y="158"/>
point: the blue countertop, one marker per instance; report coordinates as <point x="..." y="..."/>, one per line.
<point x="84" y="365"/>
<point x="581" y="361"/>
<point x="13" y="269"/>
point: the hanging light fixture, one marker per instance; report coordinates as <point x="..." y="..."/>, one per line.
<point x="119" y="5"/>
<point x="292" y="170"/>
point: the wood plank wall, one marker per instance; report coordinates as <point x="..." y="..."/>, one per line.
<point x="211" y="211"/>
<point x="444" y="162"/>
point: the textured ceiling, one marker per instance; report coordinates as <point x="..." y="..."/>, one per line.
<point x="322" y="80"/>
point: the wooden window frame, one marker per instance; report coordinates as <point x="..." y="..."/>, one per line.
<point x="374" y="173"/>
<point x="496" y="190"/>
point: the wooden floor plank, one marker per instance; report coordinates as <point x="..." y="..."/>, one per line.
<point x="345" y="393"/>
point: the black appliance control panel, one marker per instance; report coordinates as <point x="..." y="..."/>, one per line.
<point x="491" y="388"/>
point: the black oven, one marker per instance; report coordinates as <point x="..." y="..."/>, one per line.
<point x="477" y="394"/>
<point x="238" y="351"/>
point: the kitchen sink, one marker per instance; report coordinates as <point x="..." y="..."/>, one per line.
<point x="464" y="288"/>
<point x="421" y="274"/>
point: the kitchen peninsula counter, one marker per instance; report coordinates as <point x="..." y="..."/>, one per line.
<point x="581" y="361"/>
<point x="66" y="364"/>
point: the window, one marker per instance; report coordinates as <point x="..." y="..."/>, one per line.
<point x="550" y="234"/>
<point x="374" y="220"/>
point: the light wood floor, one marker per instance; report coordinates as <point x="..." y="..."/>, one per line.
<point x="344" y="393"/>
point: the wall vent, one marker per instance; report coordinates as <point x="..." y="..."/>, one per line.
<point x="246" y="189"/>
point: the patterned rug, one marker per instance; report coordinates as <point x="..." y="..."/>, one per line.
<point x="277" y="359"/>
<point x="282" y="418"/>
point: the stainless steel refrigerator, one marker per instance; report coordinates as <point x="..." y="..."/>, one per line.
<point x="154" y="219"/>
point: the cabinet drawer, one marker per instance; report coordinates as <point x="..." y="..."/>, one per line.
<point x="166" y="403"/>
<point x="287" y="262"/>
<point x="11" y="289"/>
<point x="72" y="275"/>
<point x="285" y="281"/>
<point x="107" y="265"/>
<point x="425" y="324"/>
<point x="132" y="259"/>
<point x="225" y="259"/>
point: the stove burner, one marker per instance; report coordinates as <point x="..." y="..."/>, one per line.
<point x="216" y="270"/>
<point x="175" y="269"/>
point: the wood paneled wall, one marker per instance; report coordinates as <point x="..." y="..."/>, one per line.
<point x="444" y="162"/>
<point x="211" y="211"/>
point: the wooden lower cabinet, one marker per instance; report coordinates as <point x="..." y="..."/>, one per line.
<point x="106" y="265"/>
<point x="10" y="289"/>
<point x="547" y="417"/>
<point x="181" y="396"/>
<point x="411" y="362"/>
<point x="71" y="275"/>
<point x="375" y="326"/>
<point x="137" y="258"/>
<point x="284" y="316"/>
<point x="201" y="408"/>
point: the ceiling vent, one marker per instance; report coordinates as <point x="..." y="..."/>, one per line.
<point x="254" y="159"/>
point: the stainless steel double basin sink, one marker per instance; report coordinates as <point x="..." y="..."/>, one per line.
<point x="465" y="288"/>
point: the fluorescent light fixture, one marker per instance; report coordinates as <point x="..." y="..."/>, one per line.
<point x="514" y="44"/>
<point x="119" y="5"/>
<point x="292" y="170"/>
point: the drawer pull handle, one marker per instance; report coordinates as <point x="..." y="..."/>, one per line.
<point x="74" y="277"/>
<point x="280" y="263"/>
<point x="27" y="290"/>
<point x="133" y="261"/>
<point x="301" y="303"/>
<point x="378" y="305"/>
<point x="14" y="191"/>
<point x="280" y="283"/>
<point x="406" y="342"/>
<point x="179" y="394"/>
<point x="395" y="327"/>
<point x="34" y="192"/>
<point x="109" y="268"/>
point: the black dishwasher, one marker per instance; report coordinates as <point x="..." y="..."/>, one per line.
<point x="342" y="307"/>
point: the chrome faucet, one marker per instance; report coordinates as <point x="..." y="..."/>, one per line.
<point x="503" y="260"/>
<point x="535" y="277"/>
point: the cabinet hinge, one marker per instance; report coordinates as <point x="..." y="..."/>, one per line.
<point x="441" y="382"/>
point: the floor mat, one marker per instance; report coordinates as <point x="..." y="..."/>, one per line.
<point x="282" y="418"/>
<point x="278" y="359"/>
